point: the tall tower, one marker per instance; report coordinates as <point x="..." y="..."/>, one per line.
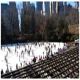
<point x="6" y="27"/>
<point x="24" y="5"/>
<point x="76" y="5"/>
<point x="53" y="8"/>
<point x="47" y="8"/>
<point x="60" y="8"/>
<point x="13" y="13"/>
<point x="39" y="6"/>
<point x="65" y="6"/>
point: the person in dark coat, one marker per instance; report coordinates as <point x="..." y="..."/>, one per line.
<point x="16" y="66"/>
<point x="34" y="59"/>
<point x="2" y="72"/>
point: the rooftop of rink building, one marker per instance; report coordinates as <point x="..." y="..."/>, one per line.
<point x="40" y="60"/>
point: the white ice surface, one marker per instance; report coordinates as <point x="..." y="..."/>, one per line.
<point x="14" y="58"/>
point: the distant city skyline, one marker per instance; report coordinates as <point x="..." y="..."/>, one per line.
<point x="19" y="6"/>
<point x="23" y="18"/>
<point x="20" y="1"/>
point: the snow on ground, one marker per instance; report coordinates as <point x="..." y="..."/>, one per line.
<point x="22" y="54"/>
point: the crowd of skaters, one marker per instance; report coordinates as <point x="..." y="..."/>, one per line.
<point x="18" y="55"/>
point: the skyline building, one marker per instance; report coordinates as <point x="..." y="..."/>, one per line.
<point x="39" y="6"/>
<point x="27" y="14"/>
<point x="5" y="23"/>
<point x="54" y="8"/>
<point x="47" y="8"/>
<point x="60" y="8"/>
<point x="9" y="18"/>
<point x="24" y="5"/>
<point x="13" y="13"/>
<point x="9" y="14"/>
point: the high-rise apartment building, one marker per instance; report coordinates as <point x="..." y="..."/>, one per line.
<point x="47" y="8"/>
<point x="9" y="17"/>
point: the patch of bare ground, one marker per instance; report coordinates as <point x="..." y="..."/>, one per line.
<point x="74" y="29"/>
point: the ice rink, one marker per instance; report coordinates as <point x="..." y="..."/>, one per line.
<point x="19" y="55"/>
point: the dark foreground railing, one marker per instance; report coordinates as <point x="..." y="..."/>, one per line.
<point x="62" y="65"/>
